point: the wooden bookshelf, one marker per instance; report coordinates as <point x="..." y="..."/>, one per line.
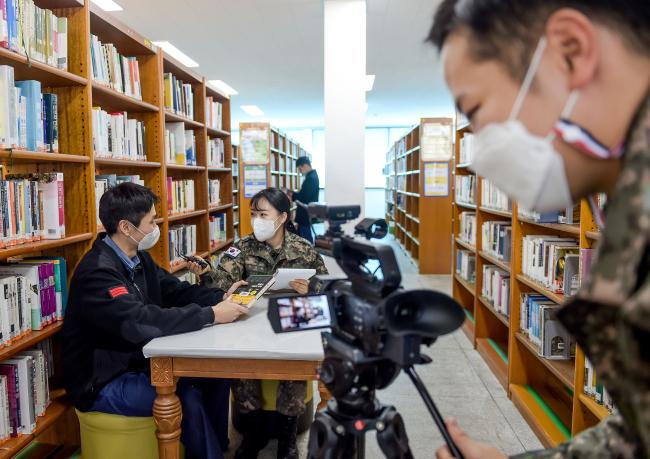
<point x="281" y="171"/>
<point x="549" y="393"/>
<point x="419" y="223"/>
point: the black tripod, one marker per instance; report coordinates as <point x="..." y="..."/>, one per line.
<point x="338" y="432"/>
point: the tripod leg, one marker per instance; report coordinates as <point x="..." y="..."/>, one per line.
<point x="392" y="438"/>
<point x="328" y="441"/>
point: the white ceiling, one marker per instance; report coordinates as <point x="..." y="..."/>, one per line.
<point x="271" y="51"/>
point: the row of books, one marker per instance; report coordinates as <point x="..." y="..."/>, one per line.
<point x="496" y="288"/>
<point x="213" y="113"/>
<point x="539" y="323"/>
<point x="117" y="136"/>
<point x="214" y="192"/>
<point x="494" y="198"/>
<point x="104" y="182"/>
<point x="34" y="32"/>
<point x="466" y="265"/>
<point x="594" y="389"/>
<point x="569" y="216"/>
<point x="180" y="196"/>
<point x="466" y="189"/>
<point x="216" y="153"/>
<point x="180" y="145"/>
<point x="552" y="261"/>
<point x="114" y="70"/>
<point x="179" y="96"/>
<point x="28" y="117"/>
<point x="24" y="390"/>
<point x="402" y="165"/>
<point x="33" y="294"/>
<point x="182" y="241"/>
<point x="467" y="230"/>
<point x="31" y="208"/>
<point x="218" y="229"/>
<point x="466" y="153"/>
<point x="496" y="239"/>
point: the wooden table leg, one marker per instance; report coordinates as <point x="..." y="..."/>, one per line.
<point x="167" y="412"/>
<point x="324" y="395"/>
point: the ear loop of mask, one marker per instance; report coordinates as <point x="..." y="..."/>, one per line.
<point x="528" y="79"/>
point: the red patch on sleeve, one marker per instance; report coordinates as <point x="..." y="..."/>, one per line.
<point x="118" y="291"/>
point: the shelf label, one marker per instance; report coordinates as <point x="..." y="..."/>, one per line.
<point x="436" y="179"/>
<point x="255" y="180"/>
<point x="254" y="144"/>
<point x="435" y="142"/>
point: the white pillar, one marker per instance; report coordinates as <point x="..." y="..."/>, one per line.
<point x="345" y="73"/>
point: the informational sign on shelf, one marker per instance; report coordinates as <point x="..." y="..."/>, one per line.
<point x="254" y="144"/>
<point x="436" y="179"/>
<point x="436" y="141"/>
<point x="255" y="180"/>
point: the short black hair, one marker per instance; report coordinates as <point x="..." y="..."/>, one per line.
<point x="302" y="161"/>
<point x="278" y="200"/>
<point x="126" y="201"/>
<point x="509" y="30"/>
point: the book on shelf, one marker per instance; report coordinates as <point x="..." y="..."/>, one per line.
<point x="594" y="389"/>
<point x="180" y="144"/>
<point x="213" y="113"/>
<point x="466" y="150"/>
<point x="214" y="191"/>
<point x="494" y="198"/>
<point x="467" y="230"/>
<point x="466" y="265"/>
<point x="496" y="288"/>
<point x="497" y="239"/>
<point x="217" y="229"/>
<point x="179" y="96"/>
<point x="216" y="153"/>
<point x="539" y="323"/>
<point x="34" y="32"/>
<point x="466" y="189"/>
<point x="544" y="257"/>
<point x="182" y="241"/>
<point x="180" y="195"/>
<point x="114" y="70"/>
<point x="117" y="136"/>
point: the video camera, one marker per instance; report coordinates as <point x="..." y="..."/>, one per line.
<point x="377" y="330"/>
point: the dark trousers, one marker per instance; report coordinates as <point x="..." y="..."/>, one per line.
<point x="205" y="404"/>
<point x="304" y="231"/>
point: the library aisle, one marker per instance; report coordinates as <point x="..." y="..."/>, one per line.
<point x="460" y="382"/>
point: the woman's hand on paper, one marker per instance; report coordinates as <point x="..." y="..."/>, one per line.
<point x="300" y="285"/>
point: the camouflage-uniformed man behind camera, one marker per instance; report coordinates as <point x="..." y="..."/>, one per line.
<point x="249" y="257"/>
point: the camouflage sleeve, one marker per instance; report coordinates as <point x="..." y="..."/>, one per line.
<point x="607" y="440"/>
<point x="317" y="263"/>
<point x="229" y="271"/>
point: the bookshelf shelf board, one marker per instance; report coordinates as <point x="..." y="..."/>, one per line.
<point x="485" y="302"/>
<point x="52" y="4"/>
<point x="564" y="370"/>
<point x="46" y="74"/>
<point x="275" y="172"/>
<point x="558" y="298"/>
<point x="212" y="132"/>
<point x="111" y="100"/>
<point x="182" y="167"/>
<point x="218" y="169"/>
<point x="412" y="218"/>
<point x="221" y="245"/>
<point x="23" y="156"/>
<point x="275" y="150"/>
<point x="171" y="117"/>
<point x="494" y="360"/>
<point x="597" y="410"/>
<point x="56" y="409"/>
<point x="495" y="261"/>
<point x="126" y="163"/>
<point x="502" y="213"/>
<point x="463" y="126"/>
<point x="560" y="227"/>
<point x="539" y="417"/>
<point x="593" y="235"/>
<point x="466" y="245"/>
<point x="407" y="193"/>
<point x="158" y="221"/>
<point x="214" y="92"/>
<point x="184" y="215"/>
<point x="471" y="288"/>
<point x="110" y="30"/>
<point x="466" y="205"/>
<point x="463" y="165"/>
<point x="171" y="65"/>
<point x="413" y="238"/>
<point x="219" y="208"/>
<point x="30" y="340"/>
<point x="412" y="150"/>
<point x="235" y="191"/>
<point x="235" y="224"/>
<point x="45" y="244"/>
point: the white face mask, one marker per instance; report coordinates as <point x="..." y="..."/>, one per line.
<point x="149" y="239"/>
<point x="525" y="166"/>
<point x="264" y="229"/>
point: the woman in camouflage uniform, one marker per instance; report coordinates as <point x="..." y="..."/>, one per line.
<point x="271" y="246"/>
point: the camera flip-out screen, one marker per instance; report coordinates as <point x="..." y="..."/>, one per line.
<point x="300" y="313"/>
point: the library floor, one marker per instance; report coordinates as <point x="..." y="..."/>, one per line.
<point x="460" y="383"/>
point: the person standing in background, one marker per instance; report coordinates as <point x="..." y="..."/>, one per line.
<point x="308" y="193"/>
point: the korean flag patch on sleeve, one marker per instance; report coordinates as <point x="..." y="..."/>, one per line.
<point x="233" y="252"/>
